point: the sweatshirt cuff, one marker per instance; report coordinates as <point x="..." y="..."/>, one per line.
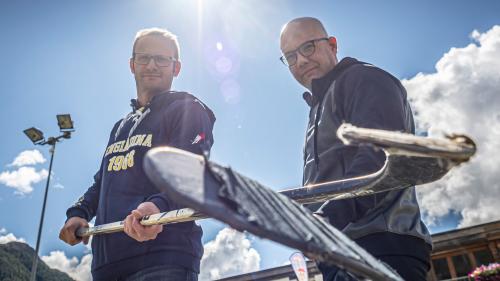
<point x="75" y="212"/>
<point x="160" y="202"/>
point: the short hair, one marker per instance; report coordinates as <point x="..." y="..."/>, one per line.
<point x="155" y="31"/>
<point x="316" y="22"/>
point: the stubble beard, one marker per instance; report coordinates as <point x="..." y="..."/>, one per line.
<point x="149" y="90"/>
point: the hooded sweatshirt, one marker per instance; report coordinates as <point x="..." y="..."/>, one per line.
<point x="365" y="96"/>
<point x="175" y="119"/>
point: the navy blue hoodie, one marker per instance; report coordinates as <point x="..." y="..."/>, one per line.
<point x="175" y="119"/>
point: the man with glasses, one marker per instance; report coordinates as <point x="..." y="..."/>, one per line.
<point x="121" y="189"/>
<point x="388" y="225"/>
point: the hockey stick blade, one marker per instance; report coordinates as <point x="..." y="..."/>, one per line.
<point x="246" y="205"/>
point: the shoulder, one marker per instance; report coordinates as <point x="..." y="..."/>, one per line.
<point x="184" y="103"/>
<point x="173" y="96"/>
<point x="118" y="123"/>
<point x="364" y="72"/>
<point x="367" y="83"/>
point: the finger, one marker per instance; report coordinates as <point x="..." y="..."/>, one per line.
<point x="154" y="229"/>
<point x="132" y="228"/>
<point x="68" y="237"/>
<point x="148" y="232"/>
<point x="137" y="214"/>
<point x="126" y="224"/>
<point x="72" y="239"/>
<point x="138" y="229"/>
<point x="136" y="226"/>
<point x="151" y="232"/>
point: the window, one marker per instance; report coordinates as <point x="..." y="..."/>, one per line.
<point x="441" y="268"/>
<point x="462" y="265"/>
<point x="483" y="257"/>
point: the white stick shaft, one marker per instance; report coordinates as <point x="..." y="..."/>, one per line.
<point x="175" y="216"/>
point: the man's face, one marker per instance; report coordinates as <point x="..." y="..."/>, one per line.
<point x="316" y="65"/>
<point x="152" y="77"/>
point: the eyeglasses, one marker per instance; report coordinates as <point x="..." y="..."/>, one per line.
<point x="161" y="61"/>
<point x="306" y="50"/>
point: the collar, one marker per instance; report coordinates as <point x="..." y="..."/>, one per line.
<point x="321" y="85"/>
<point x="134" y="103"/>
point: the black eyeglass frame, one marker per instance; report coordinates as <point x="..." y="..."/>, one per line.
<point x="300" y="51"/>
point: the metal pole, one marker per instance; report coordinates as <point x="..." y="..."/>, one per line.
<point x="35" y="257"/>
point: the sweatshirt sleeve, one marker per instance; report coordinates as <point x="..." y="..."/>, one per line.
<point x="376" y="100"/>
<point x="191" y="130"/>
<point x="86" y="206"/>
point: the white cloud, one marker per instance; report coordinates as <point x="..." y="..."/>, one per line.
<point x="9" y="237"/>
<point x="463" y="96"/>
<point x="79" y="270"/>
<point x="28" y="157"/>
<point x="229" y="254"/>
<point x="22" y="179"/>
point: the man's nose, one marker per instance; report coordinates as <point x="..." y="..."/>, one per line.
<point x="151" y="64"/>
<point x="301" y="60"/>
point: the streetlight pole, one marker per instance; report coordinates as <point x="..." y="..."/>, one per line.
<point x="36" y="136"/>
<point x="52" y="150"/>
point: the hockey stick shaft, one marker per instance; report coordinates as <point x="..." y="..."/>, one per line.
<point x="175" y="216"/>
<point x="184" y="215"/>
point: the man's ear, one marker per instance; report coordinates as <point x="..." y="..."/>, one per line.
<point x="333" y="42"/>
<point x="132" y="66"/>
<point x="177" y="68"/>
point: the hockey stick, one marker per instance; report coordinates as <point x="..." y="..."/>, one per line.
<point x="411" y="160"/>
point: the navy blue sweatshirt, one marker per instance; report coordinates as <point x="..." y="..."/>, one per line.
<point x="175" y="119"/>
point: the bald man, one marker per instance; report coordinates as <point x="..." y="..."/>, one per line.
<point x="388" y="225"/>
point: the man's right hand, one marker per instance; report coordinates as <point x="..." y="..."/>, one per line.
<point x="68" y="232"/>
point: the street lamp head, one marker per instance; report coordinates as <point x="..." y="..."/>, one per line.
<point x="65" y="123"/>
<point x="35" y="135"/>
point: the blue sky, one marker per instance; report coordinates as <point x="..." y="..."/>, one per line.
<point x="72" y="57"/>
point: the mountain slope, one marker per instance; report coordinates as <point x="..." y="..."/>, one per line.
<point x="15" y="264"/>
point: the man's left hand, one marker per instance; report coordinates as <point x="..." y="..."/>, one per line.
<point x="134" y="229"/>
